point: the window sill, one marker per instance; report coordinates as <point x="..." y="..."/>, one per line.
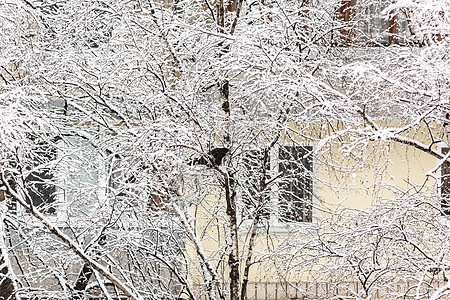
<point x="276" y="227"/>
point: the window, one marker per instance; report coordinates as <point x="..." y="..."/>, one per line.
<point x="445" y="184"/>
<point x="255" y="196"/>
<point x="62" y="173"/>
<point x="295" y="188"/>
<point x="292" y="170"/>
<point x="41" y="192"/>
<point x="376" y="26"/>
<point x="39" y="184"/>
<point x="369" y="22"/>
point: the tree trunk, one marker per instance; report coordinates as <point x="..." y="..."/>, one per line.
<point x="233" y="255"/>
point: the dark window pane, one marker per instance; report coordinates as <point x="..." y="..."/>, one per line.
<point x="295" y="189"/>
<point x="41" y="192"/>
<point x="40" y="184"/>
<point x="256" y="198"/>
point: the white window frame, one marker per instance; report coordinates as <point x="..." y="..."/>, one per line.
<point x="61" y="201"/>
<point x="21" y="212"/>
<point x="274" y="223"/>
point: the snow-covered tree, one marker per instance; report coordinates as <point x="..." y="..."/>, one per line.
<point x="105" y="105"/>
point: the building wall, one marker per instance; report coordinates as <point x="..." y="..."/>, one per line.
<point x="366" y="176"/>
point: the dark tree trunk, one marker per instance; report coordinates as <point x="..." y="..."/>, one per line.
<point x="233" y="255"/>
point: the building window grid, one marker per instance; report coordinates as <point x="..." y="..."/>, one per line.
<point x="39" y="186"/>
<point x="292" y="197"/>
<point x="369" y="21"/>
<point x="295" y="190"/>
<point x="256" y="199"/>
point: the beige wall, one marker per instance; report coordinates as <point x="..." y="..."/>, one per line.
<point x="365" y="176"/>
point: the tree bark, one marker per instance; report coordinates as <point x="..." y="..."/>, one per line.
<point x="233" y="255"/>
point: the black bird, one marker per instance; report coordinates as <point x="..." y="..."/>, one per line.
<point x="214" y="157"/>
